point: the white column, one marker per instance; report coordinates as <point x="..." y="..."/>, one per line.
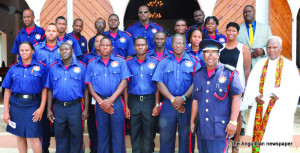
<point x="119" y="8"/>
<point x="36" y="6"/>
<point x="69" y="15"/>
<point x="262" y="11"/>
<point x="294" y="6"/>
<point x="207" y="6"/>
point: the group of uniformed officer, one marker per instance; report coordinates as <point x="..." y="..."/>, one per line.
<point x="102" y="87"/>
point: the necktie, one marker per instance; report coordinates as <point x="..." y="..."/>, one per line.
<point x="250" y="35"/>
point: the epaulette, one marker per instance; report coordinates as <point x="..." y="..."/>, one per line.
<point x="35" y="41"/>
<point x="13" y="64"/>
<point x="85" y="54"/>
<point x="18" y="32"/>
<point x="231" y="68"/>
<point x="53" y="63"/>
<point x="83" y="36"/>
<point x="155" y="58"/>
<point x="43" y="36"/>
<point x="82" y="63"/>
<point x="72" y="36"/>
<point x="171" y="52"/>
<point x="128" y="33"/>
<point x="129" y="59"/>
<point x="91" y="59"/>
<point x="189" y="27"/>
<point x="159" y="25"/>
<point x="163" y="57"/>
<point x="130" y="25"/>
<point x="35" y="44"/>
<point x="195" y="57"/>
<point x="120" y="56"/>
<point x="42" y="63"/>
<point x="148" y="51"/>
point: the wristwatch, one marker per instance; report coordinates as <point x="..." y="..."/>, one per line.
<point x="157" y="105"/>
<point x="234" y="123"/>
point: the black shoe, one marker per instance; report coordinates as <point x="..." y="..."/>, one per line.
<point x="93" y="151"/>
<point x="242" y="132"/>
<point x="46" y="151"/>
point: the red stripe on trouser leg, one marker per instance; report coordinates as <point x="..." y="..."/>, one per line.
<point x="190" y="139"/>
<point x="124" y="122"/>
<point x="226" y="145"/>
<point x="52" y="112"/>
<point x="161" y="106"/>
<point x="82" y="122"/>
<point x="41" y="138"/>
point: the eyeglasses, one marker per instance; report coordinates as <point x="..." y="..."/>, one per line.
<point x="181" y="44"/>
<point x="140" y="12"/>
<point x="213" y="54"/>
<point x="97" y="24"/>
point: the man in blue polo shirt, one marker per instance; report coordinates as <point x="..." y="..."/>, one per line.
<point x="198" y="19"/>
<point x="217" y="94"/>
<point x="160" y="52"/>
<point x="144" y="27"/>
<point x="77" y="28"/>
<point x="100" y="26"/>
<point x="141" y="98"/>
<point x="67" y="89"/>
<point x="121" y="41"/>
<point x="174" y="81"/>
<point x="63" y="37"/>
<point x="180" y="28"/>
<point x="106" y="77"/>
<point x="32" y="33"/>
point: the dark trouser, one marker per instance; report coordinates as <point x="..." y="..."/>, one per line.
<point x="213" y="146"/>
<point x="68" y="128"/>
<point x="111" y="128"/>
<point x="141" y="123"/>
<point x="46" y="132"/>
<point x="92" y="128"/>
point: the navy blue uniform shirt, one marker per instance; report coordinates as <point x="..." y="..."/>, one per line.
<point x="219" y="37"/>
<point x="106" y="78"/>
<point x="141" y="82"/>
<point x="37" y="35"/>
<point x="122" y="44"/>
<point x="198" y="55"/>
<point x="82" y="43"/>
<point x="176" y="76"/>
<point x="168" y="44"/>
<point x="67" y="84"/>
<point x="153" y="53"/>
<point x="214" y="113"/>
<point x="43" y="53"/>
<point x="75" y="45"/>
<point x="138" y="29"/>
<point x="26" y="80"/>
<point x="88" y="56"/>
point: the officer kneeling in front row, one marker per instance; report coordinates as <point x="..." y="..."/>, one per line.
<point x="217" y="93"/>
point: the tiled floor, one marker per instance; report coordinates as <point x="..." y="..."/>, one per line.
<point x="8" y="141"/>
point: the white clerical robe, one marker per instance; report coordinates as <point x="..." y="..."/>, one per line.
<point x="281" y="120"/>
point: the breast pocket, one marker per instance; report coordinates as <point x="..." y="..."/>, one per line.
<point x="76" y="78"/>
<point x="187" y="74"/>
<point x="220" y="126"/>
<point x="16" y="78"/>
<point x="220" y="92"/>
<point x="115" y="74"/>
<point x="56" y="80"/>
<point x="169" y="73"/>
<point x="95" y="77"/>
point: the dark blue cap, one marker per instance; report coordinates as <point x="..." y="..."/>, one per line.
<point x="209" y="44"/>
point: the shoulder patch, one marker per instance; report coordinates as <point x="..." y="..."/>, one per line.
<point x="42" y="63"/>
<point x="129" y="59"/>
<point x="120" y="56"/>
<point x="91" y="59"/>
<point x="82" y="63"/>
<point x="130" y="25"/>
<point x="231" y="68"/>
<point x="53" y="64"/>
<point x="128" y="33"/>
<point x="13" y="64"/>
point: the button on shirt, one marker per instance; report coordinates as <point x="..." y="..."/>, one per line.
<point x="138" y="29"/>
<point x="141" y="81"/>
<point x="122" y="44"/>
<point x="25" y="80"/>
<point x="106" y="78"/>
<point x="66" y="84"/>
<point x="176" y="76"/>
<point x="72" y="40"/>
<point x="43" y="53"/>
<point x="82" y="43"/>
<point x="153" y="53"/>
<point x="36" y="36"/>
<point x="198" y="55"/>
<point x="219" y="37"/>
<point x="215" y="113"/>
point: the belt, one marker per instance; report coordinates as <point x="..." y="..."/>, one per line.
<point x="102" y="97"/>
<point x="143" y="97"/>
<point x="68" y="103"/>
<point x="24" y="96"/>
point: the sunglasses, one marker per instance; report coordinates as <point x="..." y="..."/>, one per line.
<point x="140" y="12"/>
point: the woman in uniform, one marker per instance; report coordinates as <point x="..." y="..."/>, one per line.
<point x="24" y="99"/>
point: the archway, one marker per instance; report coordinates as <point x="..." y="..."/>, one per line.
<point x="298" y="41"/>
<point x="170" y="11"/>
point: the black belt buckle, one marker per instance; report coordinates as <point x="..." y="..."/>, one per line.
<point x="141" y="98"/>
